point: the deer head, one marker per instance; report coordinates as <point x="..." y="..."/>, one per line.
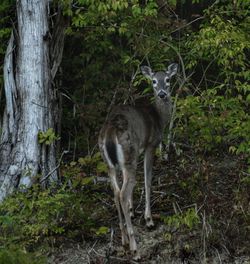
<point x="160" y="80"/>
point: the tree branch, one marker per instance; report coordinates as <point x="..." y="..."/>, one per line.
<point x="57" y="166"/>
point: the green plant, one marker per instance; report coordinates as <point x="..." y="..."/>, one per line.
<point x="129" y="33"/>
<point x="216" y="115"/>
<point x="82" y="172"/>
<point x="39" y="216"/>
<point x="188" y="219"/>
<point x="47" y="137"/>
<point x="211" y="120"/>
<point x="95" y="162"/>
<point x="18" y="256"/>
<point x="103" y="230"/>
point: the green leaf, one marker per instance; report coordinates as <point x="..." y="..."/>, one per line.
<point x="103" y="230"/>
<point x="87" y="180"/>
<point x="101" y="167"/>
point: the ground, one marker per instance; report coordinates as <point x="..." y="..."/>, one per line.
<point x="201" y="208"/>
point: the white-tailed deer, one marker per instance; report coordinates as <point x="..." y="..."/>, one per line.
<point x="128" y="131"/>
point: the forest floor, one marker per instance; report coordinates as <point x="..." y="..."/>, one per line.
<point x="201" y="208"/>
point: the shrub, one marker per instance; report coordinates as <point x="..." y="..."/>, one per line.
<point x="36" y="216"/>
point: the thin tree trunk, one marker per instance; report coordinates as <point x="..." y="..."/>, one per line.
<point x="31" y="100"/>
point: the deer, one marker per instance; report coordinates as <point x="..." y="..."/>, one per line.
<point x="128" y="131"/>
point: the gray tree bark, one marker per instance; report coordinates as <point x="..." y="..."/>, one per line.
<point x="31" y="62"/>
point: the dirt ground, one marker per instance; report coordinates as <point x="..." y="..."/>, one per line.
<point x="152" y="247"/>
<point x="217" y="188"/>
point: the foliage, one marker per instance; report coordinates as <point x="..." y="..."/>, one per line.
<point x="47" y="137"/>
<point x="188" y="219"/>
<point x="18" y="256"/>
<point x="215" y="115"/>
<point x="107" y="12"/>
<point x="213" y="120"/>
<point x="5" y="10"/>
<point x="95" y="162"/>
<point x="111" y="39"/>
<point x="27" y="218"/>
<point x="82" y="172"/>
<point x="212" y="115"/>
<point x="103" y="230"/>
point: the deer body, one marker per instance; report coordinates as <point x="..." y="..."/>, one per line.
<point x="128" y="131"/>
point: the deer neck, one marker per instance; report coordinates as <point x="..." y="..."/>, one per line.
<point x="164" y="110"/>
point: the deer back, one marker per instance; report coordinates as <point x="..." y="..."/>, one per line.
<point x="133" y="129"/>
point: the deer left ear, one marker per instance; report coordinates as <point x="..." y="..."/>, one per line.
<point x="172" y="69"/>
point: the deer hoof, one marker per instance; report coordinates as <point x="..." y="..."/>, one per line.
<point x="136" y="255"/>
<point x="125" y="245"/>
<point x="131" y="212"/>
<point x="125" y="241"/>
<point x="149" y="223"/>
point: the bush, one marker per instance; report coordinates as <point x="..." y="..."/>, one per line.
<point x="37" y="216"/>
<point x="215" y="114"/>
<point x="211" y="121"/>
<point x="17" y="256"/>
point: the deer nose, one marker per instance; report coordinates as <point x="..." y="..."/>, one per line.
<point x="162" y="94"/>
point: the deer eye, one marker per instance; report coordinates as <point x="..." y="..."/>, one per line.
<point x="167" y="79"/>
<point x="154" y="81"/>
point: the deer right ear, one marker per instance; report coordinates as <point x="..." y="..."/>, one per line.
<point x="146" y="71"/>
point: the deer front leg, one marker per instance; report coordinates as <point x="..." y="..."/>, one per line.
<point x="148" y="164"/>
<point x="112" y="174"/>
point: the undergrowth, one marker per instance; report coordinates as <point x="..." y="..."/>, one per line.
<point x="18" y="256"/>
<point x="35" y="220"/>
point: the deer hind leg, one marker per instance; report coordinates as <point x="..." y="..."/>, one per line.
<point x="113" y="178"/>
<point x="148" y="164"/>
<point x="131" y="207"/>
<point x="125" y="199"/>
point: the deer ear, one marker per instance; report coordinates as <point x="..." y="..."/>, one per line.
<point x="172" y="69"/>
<point x="146" y="71"/>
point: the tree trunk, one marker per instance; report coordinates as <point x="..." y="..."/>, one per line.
<point x="31" y="100"/>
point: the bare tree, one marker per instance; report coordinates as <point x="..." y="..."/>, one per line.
<point x="31" y="62"/>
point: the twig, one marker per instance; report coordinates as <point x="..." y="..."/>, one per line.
<point x="141" y="198"/>
<point x="111" y="104"/>
<point x="112" y="257"/>
<point x="171" y="123"/>
<point x="189" y="23"/>
<point x="159" y="192"/>
<point x="58" y="165"/>
<point x="43" y="106"/>
<point x="204" y="235"/>
<point x="203" y="75"/>
<point x="216" y="250"/>
<point x="111" y="238"/>
<point x="92" y="248"/>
